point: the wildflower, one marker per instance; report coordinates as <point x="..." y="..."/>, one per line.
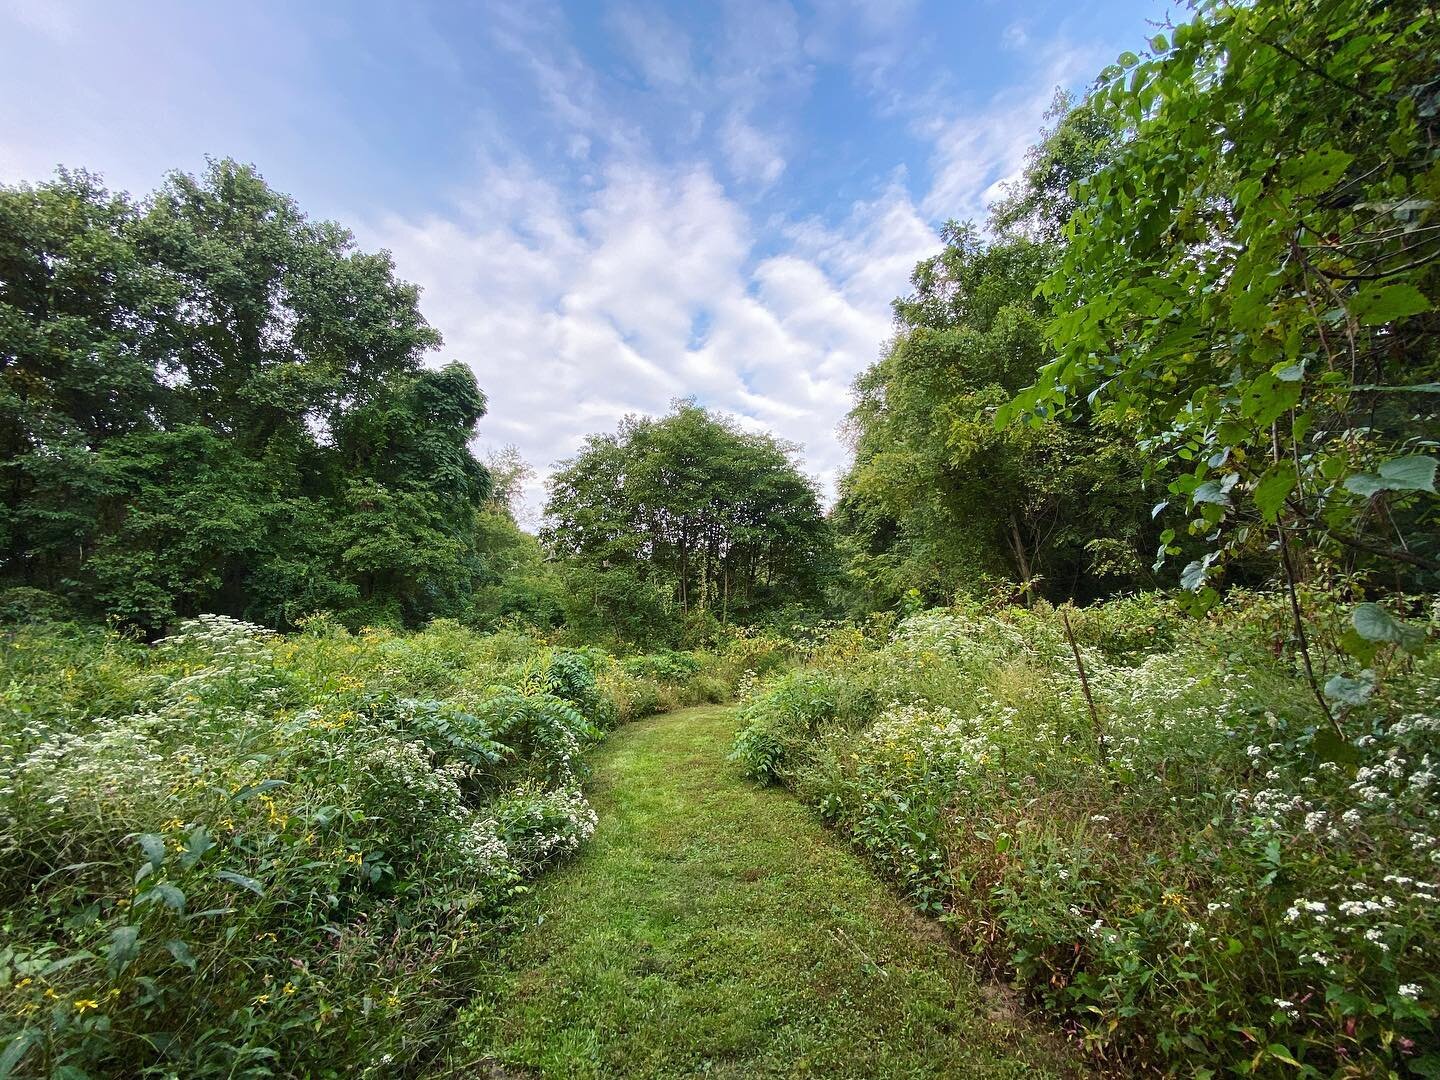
<point x="1174" y="899"/>
<point x="261" y="999"/>
<point x="83" y="1005"/>
<point x="289" y="989"/>
<point x="1410" y="990"/>
<point x="24" y="983"/>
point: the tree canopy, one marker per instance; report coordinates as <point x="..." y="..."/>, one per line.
<point x="938" y="500"/>
<point x="209" y="402"/>
<point x="691" y="511"/>
<point x="1248" y="282"/>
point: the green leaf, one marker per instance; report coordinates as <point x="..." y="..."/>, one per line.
<point x="181" y="952"/>
<point x="197" y="843"/>
<point x="1413" y="472"/>
<point x="1376" y="304"/>
<point x="124" y="946"/>
<point x="1282" y="1052"/>
<point x="1348" y="691"/>
<point x="1193" y="576"/>
<point x="173" y="897"/>
<point x="241" y="880"/>
<point x="16" y="1049"/>
<point x="154" y="848"/>
<point x="1273" y="489"/>
<point x="1373" y="623"/>
<point x="1318" y="170"/>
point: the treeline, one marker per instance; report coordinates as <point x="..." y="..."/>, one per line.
<point x="209" y="403"/>
<point x="686" y="512"/>
<point x="1197" y="339"/>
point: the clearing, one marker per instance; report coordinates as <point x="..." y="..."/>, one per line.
<point x="712" y="928"/>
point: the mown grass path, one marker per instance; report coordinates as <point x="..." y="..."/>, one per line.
<point x="714" y="929"/>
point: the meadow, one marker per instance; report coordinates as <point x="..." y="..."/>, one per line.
<point x="233" y="852"/>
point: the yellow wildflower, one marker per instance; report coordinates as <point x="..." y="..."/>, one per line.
<point x="261" y="999"/>
<point x="85" y="1004"/>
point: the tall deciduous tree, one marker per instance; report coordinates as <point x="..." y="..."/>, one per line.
<point x="210" y="402"/>
<point x="940" y="501"/>
<point x="1250" y="282"/>
<point x="691" y="509"/>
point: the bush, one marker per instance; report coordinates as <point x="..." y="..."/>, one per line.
<point x="240" y="853"/>
<point x="1228" y="883"/>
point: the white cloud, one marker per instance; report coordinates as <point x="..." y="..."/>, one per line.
<point x="979" y="149"/>
<point x="659" y="48"/>
<point x="753" y="156"/>
<point x="651" y="289"/>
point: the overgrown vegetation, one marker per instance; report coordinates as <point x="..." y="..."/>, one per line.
<point x="235" y="853"/>
<point x="1196" y="339"/>
<point x="1197" y="874"/>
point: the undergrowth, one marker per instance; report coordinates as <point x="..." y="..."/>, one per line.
<point x="1202" y="876"/>
<point x="240" y="854"/>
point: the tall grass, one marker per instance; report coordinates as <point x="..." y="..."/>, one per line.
<point x="1227" y="887"/>
<point x="239" y="854"/>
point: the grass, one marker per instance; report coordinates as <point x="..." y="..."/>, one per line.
<point x="712" y="928"/>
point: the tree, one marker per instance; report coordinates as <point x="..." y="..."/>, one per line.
<point x="1249" y="283"/>
<point x="691" y="510"/>
<point x="210" y="402"/>
<point x="938" y="500"/>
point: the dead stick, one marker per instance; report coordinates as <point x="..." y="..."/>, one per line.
<point x="1085" y="688"/>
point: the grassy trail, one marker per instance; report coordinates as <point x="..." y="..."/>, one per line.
<point x="714" y="929"/>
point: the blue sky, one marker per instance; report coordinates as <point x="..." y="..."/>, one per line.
<point x="607" y="204"/>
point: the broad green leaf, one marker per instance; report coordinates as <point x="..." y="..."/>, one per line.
<point x="1373" y="623"/>
<point x="1273" y="489"/>
<point x="1193" y="576"/>
<point x="1376" y="304"/>
<point x="1413" y="472"/>
<point x="181" y="952"/>
<point x="154" y="848"/>
<point x="197" y="843"/>
<point x="1317" y="170"/>
<point x="173" y="897"/>
<point x="1348" y="691"/>
<point x="241" y="880"/>
<point x="124" y="946"/>
<point x="16" y="1050"/>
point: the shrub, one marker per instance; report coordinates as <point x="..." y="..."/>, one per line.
<point x="237" y="853"/>
<point x="1227" y="883"/>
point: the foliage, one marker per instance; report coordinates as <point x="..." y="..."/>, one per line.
<point x="209" y="402"/>
<point x="1217" y="880"/>
<point x="1249" y="283"/>
<point x="940" y="501"/>
<point x="685" y="512"/>
<point x="241" y="853"/>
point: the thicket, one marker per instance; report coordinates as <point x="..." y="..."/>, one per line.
<point x="240" y="853"/>
<point x="1210" y="843"/>
<point x="210" y="403"/>
<point x="1179" y="859"/>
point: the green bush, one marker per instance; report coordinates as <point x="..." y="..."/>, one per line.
<point x="235" y="853"/>
<point x="1226" y="886"/>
